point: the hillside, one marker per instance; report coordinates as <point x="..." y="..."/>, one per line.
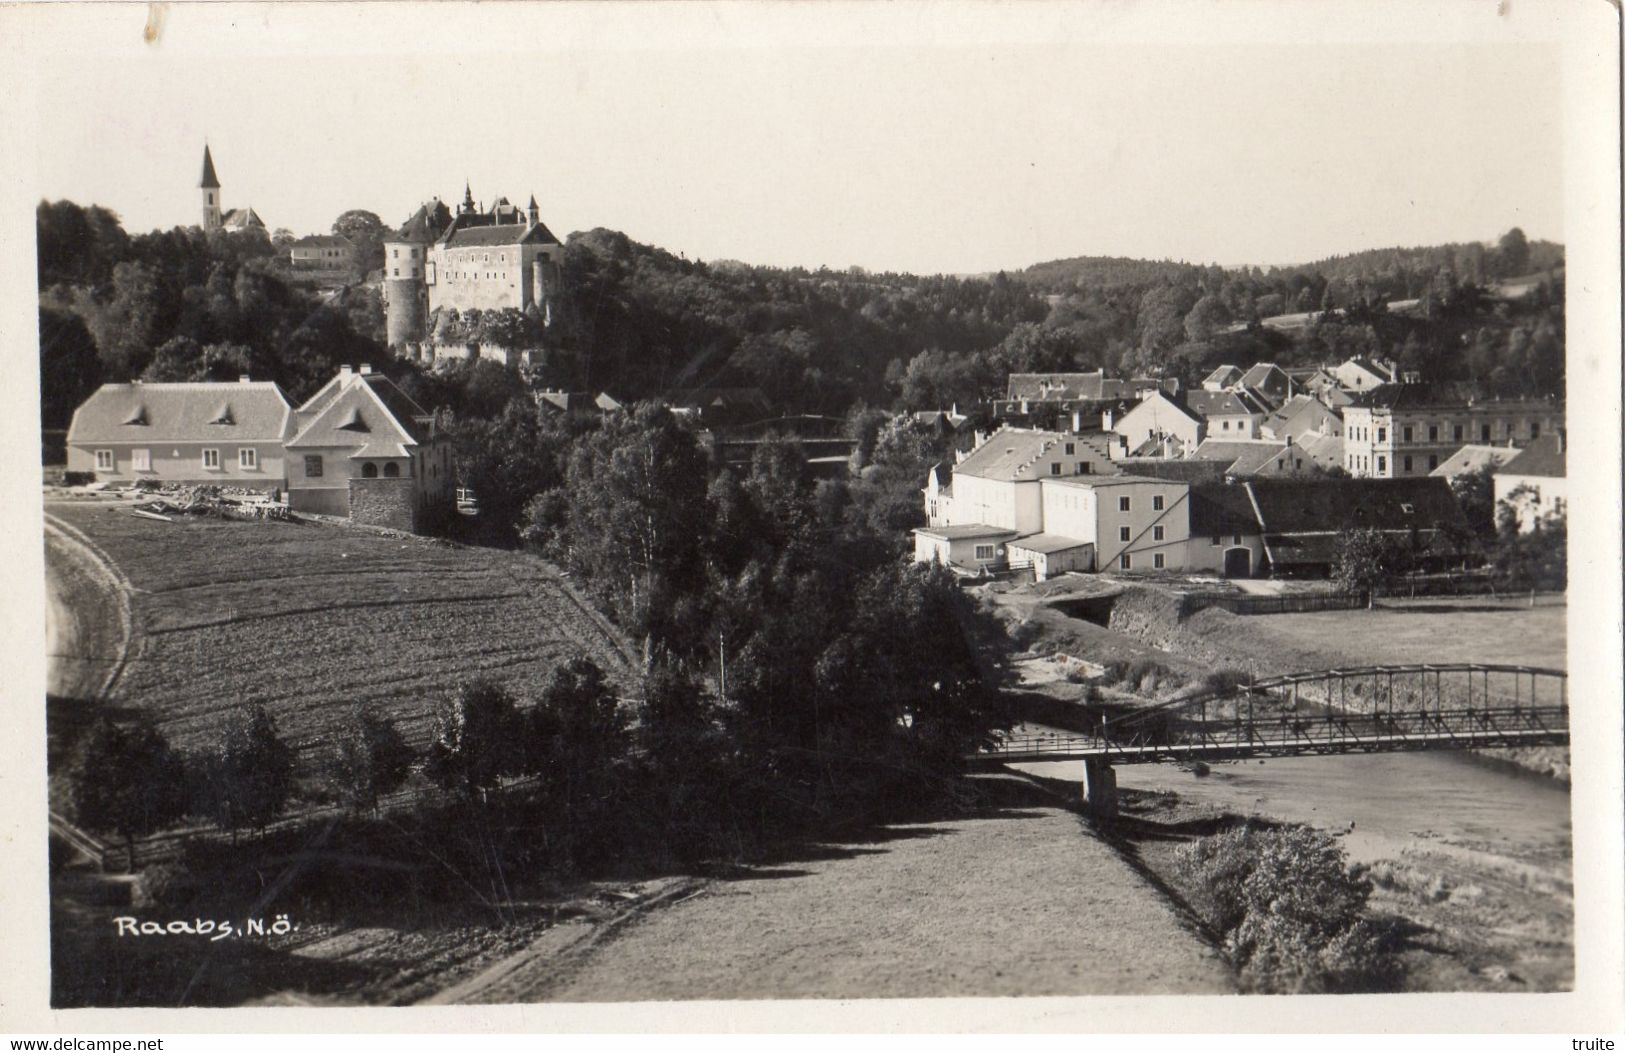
<point x="309" y="620"/>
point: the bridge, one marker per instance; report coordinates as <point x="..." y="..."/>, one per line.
<point x="1371" y="709"/>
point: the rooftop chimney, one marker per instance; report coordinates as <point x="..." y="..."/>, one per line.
<point x="365" y="370"/>
<point x="244" y="379"/>
<point x="344" y="371"/>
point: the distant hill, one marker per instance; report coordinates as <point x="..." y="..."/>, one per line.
<point x="1102" y="272"/>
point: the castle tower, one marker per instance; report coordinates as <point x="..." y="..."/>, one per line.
<point x="209" y="185"/>
<point x="407" y="272"/>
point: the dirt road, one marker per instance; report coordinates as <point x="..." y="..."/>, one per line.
<point x="85" y="634"/>
<point x="1020" y="899"/>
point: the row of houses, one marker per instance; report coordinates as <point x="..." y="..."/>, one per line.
<point x="1059" y="502"/>
<point x="359" y="448"/>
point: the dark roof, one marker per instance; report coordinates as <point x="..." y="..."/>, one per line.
<point x="458" y="236"/>
<point x="323" y="241"/>
<point x="418" y="230"/>
<point x="1416" y="396"/>
<point x="209" y="181"/>
<point x="1543" y="457"/>
<point x="1055" y="386"/>
<point x="964" y="531"/>
<point x="1221" y="403"/>
<point x="343" y="415"/>
<point x="1185" y="470"/>
<point x="195" y="412"/>
<point x="1369" y="366"/>
<point x="1221" y="508"/>
<point x="1291" y="506"/>
<point x="1264" y="374"/>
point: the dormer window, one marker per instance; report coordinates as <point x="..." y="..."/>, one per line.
<point x="223" y="416"/>
<point x="353" y="422"/>
<point x="137" y="416"/>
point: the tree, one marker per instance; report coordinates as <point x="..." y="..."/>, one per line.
<point x="475" y="739"/>
<point x="373" y="759"/>
<point x="68" y="367"/>
<point x="636" y="491"/>
<point x="126" y="780"/>
<point x="1205" y="318"/>
<point x="1364" y="560"/>
<point x="1475" y="493"/>
<point x="249" y="773"/>
<point x="1512" y="253"/>
<point x="366" y="232"/>
<point x="282" y="237"/>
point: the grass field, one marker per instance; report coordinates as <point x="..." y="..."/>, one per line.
<point x="1478" y="629"/>
<point x="309" y="620"/>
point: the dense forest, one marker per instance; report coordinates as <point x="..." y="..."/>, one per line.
<point x="635" y="320"/>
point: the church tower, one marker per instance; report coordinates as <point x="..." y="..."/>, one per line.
<point x="210" y="187"/>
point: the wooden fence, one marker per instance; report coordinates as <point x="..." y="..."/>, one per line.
<point x="1287" y="604"/>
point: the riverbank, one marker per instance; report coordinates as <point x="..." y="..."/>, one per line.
<point x="1478" y="879"/>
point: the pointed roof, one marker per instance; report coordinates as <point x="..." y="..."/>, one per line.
<point x="533" y="202"/>
<point x="209" y="181"/>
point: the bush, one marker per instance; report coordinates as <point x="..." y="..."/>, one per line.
<point x="1291" y="910"/>
<point x="1223" y="681"/>
<point x="78" y="478"/>
<point x="164" y="886"/>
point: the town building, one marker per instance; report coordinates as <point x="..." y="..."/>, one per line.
<point x="363" y="450"/>
<point x="1229" y="414"/>
<point x="1267" y="383"/>
<point x="1534" y="483"/>
<point x="1157" y="419"/>
<point x="1248" y="459"/>
<point x="1118" y="522"/>
<point x="1300" y="415"/>
<point x="322" y="259"/>
<point x="1224" y="534"/>
<point x="1406" y="430"/>
<point x="1222" y="378"/>
<point x="1472" y="458"/>
<point x="221" y="433"/>
<point x="1300" y="520"/>
<point x="215" y="215"/>
<point x="1362" y="374"/>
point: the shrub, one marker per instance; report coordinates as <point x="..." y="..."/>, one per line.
<point x="164" y="886"/>
<point x="373" y="759"/>
<point x="1291" y="910"/>
<point x="248" y="776"/>
<point x="125" y="779"/>
<point x="1222" y="681"/>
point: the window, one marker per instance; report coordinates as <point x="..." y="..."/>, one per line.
<point x="104" y="460"/>
<point x="1224" y="425"/>
<point x="1157" y="560"/>
<point x="1055" y="469"/>
<point x="313" y="466"/>
<point x="1217" y="540"/>
<point x="211" y="460"/>
<point x="1382" y="464"/>
<point x="1124" y="563"/>
<point x="1071" y="447"/>
<point x="1123" y="504"/>
<point x="1407" y="433"/>
<point x="1156" y="533"/>
<point x="1455" y="432"/>
<point x="1382" y="434"/>
<point x="248" y="457"/>
<point x="395" y="254"/>
<point x="1407" y="508"/>
<point x="1407" y="462"/>
<point x="141" y="460"/>
<point x="369" y="471"/>
<point x="1083" y="467"/>
<point x="1433" y="433"/>
<point x="984" y="552"/>
<point x="1122" y="533"/>
<point x="1236" y="539"/>
<point x="1156" y="503"/>
<point x="1433" y="461"/>
<point x="397" y="273"/>
<point x="392" y="470"/>
<point x="1534" y="429"/>
<point x="1484" y="433"/>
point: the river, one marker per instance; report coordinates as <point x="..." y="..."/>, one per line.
<point x="1393" y="800"/>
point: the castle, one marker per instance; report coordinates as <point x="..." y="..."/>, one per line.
<point x="487" y="259"/>
<point x="214" y="216"/>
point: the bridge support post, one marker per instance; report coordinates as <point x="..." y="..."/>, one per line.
<point x="1099" y="787"/>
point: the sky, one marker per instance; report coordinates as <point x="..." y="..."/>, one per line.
<point x="829" y="138"/>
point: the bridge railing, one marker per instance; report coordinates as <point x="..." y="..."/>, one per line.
<point x="1435" y="705"/>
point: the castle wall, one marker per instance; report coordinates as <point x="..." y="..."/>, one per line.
<point x="405" y="312"/>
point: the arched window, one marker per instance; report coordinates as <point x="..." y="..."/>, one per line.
<point x="369" y="471"/>
<point x="392" y="470"/>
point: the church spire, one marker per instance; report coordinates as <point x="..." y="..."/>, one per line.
<point x="209" y="181"/>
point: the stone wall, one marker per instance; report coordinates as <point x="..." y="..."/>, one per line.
<point x="384" y="503"/>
